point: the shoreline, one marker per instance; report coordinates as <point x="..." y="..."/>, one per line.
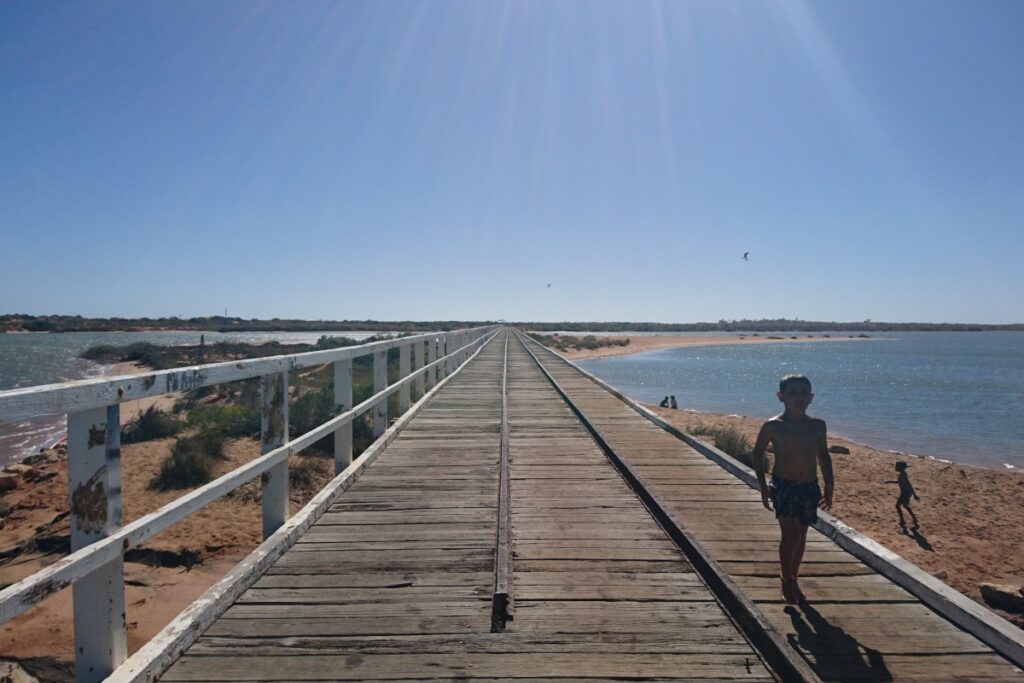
<point x="130" y="410"/>
<point x="643" y="344"/>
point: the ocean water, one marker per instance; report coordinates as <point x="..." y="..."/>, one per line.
<point x="31" y="359"/>
<point x="952" y="395"/>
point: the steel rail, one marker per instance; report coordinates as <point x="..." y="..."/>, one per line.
<point x="501" y="600"/>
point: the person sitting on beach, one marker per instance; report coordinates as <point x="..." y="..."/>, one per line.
<point x="800" y="445"/>
<point x="664" y="403"/>
<point x="672" y="403"/>
<point x="906" y="491"/>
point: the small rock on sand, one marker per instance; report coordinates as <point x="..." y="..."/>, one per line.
<point x="8" y="482"/>
<point x="841" y="450"/>
<point x="1009" y="598"/>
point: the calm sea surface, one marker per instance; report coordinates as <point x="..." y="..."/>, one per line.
<point x="954" y="395"/>
<point x="30" y="359"/>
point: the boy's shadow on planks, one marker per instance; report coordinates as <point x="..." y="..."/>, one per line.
<point x="834" y="654"/>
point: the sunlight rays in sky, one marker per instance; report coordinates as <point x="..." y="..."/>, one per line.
<point x="599" y="144"/>
<point x="852" y="103"/>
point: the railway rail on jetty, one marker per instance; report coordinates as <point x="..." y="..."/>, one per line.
<point x="518" y="521"/>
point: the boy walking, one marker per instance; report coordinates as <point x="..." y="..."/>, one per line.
<point x="800" y="444"/>
<point x="906" y="491"/>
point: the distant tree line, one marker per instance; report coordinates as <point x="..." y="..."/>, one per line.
<point x="75" y="323"/>
<point x="766" y="325"/>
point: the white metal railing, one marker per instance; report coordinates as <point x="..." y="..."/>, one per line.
<point x="98" y="541"/>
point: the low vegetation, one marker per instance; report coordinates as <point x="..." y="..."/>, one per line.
<point x="152" y="424"/>
<point x="191" y="461"/>
<point x="229" y="420"/>
<point x="564" y="342"/>
<point x="729" y="440"/>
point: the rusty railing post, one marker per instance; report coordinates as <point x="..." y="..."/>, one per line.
<point x="431" y="357"/>
<point x="404" y="391"/>
<point x="380" y="383"/>
<point x="418" y="361"/>
<point x="274" y="433"/>
<point x="342" y="402"/>
<point x="94" y="489"/>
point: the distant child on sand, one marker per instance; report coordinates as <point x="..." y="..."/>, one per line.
<point x="800" y="444"/>
<point x="672" y="403"/>
<point x="906" y="491"/>
<point x="664" y="403"/>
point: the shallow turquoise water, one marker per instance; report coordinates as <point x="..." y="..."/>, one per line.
<point x="954" y="395"/>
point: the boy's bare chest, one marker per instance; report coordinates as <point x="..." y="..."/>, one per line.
<point x="800" y="437"/>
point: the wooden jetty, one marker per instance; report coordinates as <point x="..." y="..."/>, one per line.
<point x="519" y="521"/>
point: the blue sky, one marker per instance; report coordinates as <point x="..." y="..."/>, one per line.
<point x="427" y="160"/>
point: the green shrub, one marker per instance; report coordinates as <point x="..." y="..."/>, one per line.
<point x="307" y="474"/>
<point x="190" y="462"/>
<point x="309" y="411"/>
<point x="728" y="439"/>
<point x="152" y="424"/>
<point x="325" y="342"/>
<point x="230" y="421"/>
<point x="182" y="471"/>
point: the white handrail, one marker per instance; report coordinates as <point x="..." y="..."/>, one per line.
<point x="17" y="405"/>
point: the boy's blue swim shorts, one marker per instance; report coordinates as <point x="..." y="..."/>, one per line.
<point x="795" y="499"/>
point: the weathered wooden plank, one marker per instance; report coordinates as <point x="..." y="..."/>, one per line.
<point x="453" y="666"/>
<point x="378" y="580"/>
<point x="688" y="640"/>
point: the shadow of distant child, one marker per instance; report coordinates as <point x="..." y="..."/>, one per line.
<point x="906" y="491"/>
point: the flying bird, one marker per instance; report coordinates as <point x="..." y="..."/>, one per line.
<point x="745" y="255"/>
<point x="549" y="285"/>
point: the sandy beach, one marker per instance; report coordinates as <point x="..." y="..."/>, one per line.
<point x="194" y="553"/>
<point x="639" y="344"/>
